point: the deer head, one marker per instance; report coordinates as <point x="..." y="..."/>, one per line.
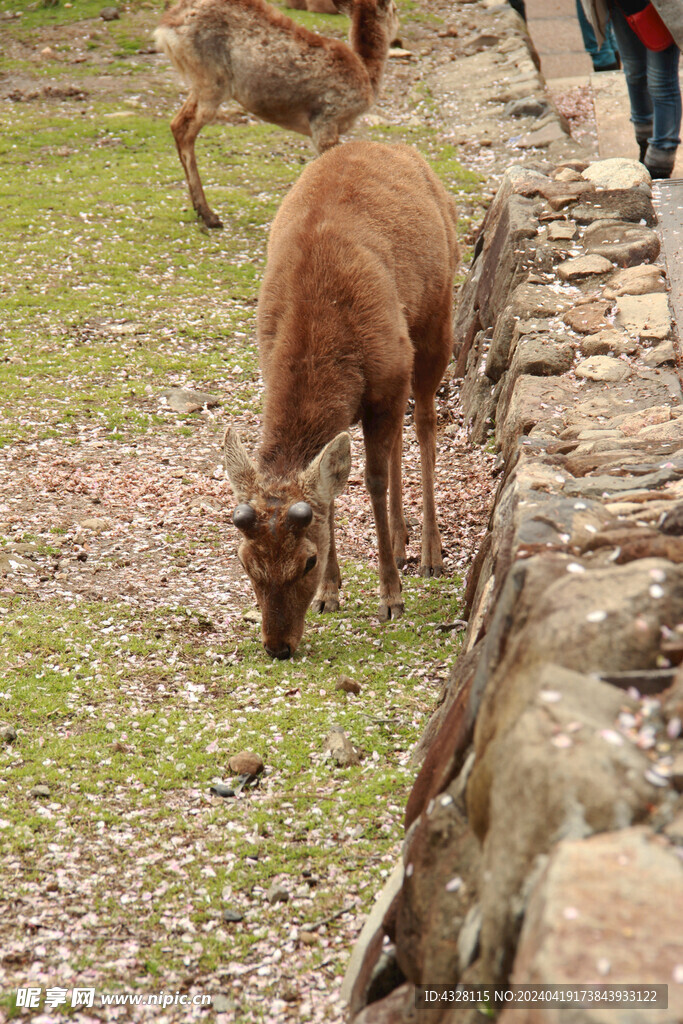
<point x="285" y="527"/>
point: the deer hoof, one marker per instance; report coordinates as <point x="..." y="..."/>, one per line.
<point x="328" y="604"/>
<point x="211" y="220"/>
<point x="431" y="570"/>
<point x="389" y="611"/>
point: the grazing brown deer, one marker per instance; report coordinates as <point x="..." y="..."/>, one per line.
<point x="355" y="306"/>
<point x="247" y="51"/>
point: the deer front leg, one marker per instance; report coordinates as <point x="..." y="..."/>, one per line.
<point x="327" y="594"/>
<point x="425" y="427"/>
<point x="380" y="433"/>
<point x="397" y="523"/>
<point x="186" y="126"/>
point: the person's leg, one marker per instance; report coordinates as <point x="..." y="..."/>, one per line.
<point x="665" y="90"/>
<point x="611" y="42"/>
<point x="604" y="57"/>
<point x="634" y="61"/>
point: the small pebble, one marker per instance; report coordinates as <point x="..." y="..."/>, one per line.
<point x="221" y="789"/>
<point x="8" y="733"/>
<point x="277" y="894"/>
<point x="232" y="915"/>
<point x="348" y="685"/>
<point x="596" y="616"/>
<point x="41" y="791"/>
<point x="454" y="885"/>
<point x="246" y="763"/>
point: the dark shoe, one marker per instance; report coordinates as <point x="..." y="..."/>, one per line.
<point x="658" y="172"/>
<point x="608" y="67"/>
<point x="659" y="162"/>
<point x="643" y="133"/>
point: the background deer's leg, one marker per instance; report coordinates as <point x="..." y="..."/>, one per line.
<point x="327" y="595"/>
<point x="381" y="431"/>
<point x="186" y="125"/>
<point x="428" y="373"/>
<point x="397" y="523"/>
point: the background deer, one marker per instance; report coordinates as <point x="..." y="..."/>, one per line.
<point x="355" y="304"/>
<point x="247" y="51"/>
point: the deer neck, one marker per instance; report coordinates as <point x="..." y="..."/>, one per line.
<point x="369" y="41"/>
<point x="304" y="409"/>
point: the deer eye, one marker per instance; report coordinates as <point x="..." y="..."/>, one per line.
<point x="310" y="562"/>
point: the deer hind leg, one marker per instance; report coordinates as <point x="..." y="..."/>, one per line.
<point x="381" y="433"/>
<point x="186" y="125"/>
<point x="327" y="595"/>
<point x="397" y="523"/>
<point x="427" y="377"/>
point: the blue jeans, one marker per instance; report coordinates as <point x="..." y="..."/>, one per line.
<point x="653" y="88"/>
<point x="604" y="56"/>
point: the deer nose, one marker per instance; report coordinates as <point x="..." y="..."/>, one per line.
<point x="282" y="652"/>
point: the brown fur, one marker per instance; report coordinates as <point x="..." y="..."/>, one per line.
<point x="247" y="51"/>
<point x="355" y="306"/>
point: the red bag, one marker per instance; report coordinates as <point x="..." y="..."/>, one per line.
<point x="650" y="28"/>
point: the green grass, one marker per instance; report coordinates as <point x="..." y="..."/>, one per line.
<point x="71" y="672"/>
<point x="111" y="292"/>
<point x="46" y="13"/>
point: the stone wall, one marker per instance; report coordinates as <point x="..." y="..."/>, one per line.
<point x="544" y="833"/>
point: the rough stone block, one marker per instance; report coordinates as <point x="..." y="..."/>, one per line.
<point x="648" y="316"/>
<point x="502" y="253"/>
<point x="608" y="341"/>
<point x="441" y="862"/>
<point x="639" y="280"/>
<point x="603" y="368"/>
<point x="589" y="317"/>
<point x="624" y="243"/>
<point x="574" y="775"/>
<point x="533" y="400"/>
<point x="605" y="909"/>
<point x="626" y="204"/>
<point x="583" y="266"/>
<point x="397" y="1008"/>
<point x="617" y="172"/>
<point x="528" y="301"/>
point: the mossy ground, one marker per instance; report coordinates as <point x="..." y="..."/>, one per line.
<point x="128" y="703"/>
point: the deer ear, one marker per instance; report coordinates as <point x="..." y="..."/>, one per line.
<point x="326" y="476"/>
<point x="239" y="467"/>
